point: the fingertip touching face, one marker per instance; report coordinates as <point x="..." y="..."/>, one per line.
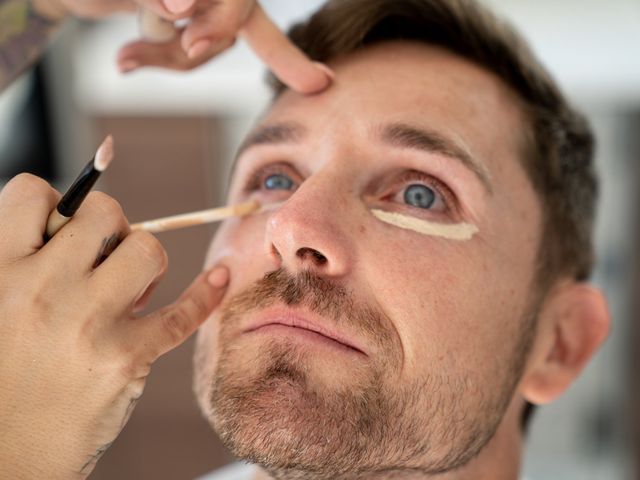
<point x="362" y="331"/>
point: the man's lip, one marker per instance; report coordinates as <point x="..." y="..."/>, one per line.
<point x="291" y="318"/>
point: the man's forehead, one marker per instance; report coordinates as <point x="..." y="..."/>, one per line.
<point x="383" y="87"/>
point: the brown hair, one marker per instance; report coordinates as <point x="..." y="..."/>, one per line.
<point x="559" y="155"/>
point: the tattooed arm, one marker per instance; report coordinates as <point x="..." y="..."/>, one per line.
<point x="26" y="28"/>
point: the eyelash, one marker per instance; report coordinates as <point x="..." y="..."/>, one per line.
<point x="258" y="175"/>
<point x="415" y="176"/>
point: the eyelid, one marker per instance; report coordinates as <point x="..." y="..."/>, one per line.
<point x="259" y="173"/>
<point x="448" y="197"/>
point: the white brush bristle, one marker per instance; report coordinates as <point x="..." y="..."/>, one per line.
<point x="104" y="155"/>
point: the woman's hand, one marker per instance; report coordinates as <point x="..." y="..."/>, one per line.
<point x="213" y="26"/>
<point x="73" y="357"/>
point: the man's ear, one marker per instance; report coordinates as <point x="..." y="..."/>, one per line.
<point x="573" y="323"/>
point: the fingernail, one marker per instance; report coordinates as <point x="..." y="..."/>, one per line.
<point x="330" y="73"/>
<point x="129" y="65"/>
<point x="198" y="48"/>
<point x="178" y="6"/>
<point x="219" y="277"/>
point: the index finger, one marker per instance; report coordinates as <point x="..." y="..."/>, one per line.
<point x="168" y="327"/>
<point x="285" y="60"/>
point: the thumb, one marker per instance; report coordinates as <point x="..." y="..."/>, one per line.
<point x="165" y="329"/>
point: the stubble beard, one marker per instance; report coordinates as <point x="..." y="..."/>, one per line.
<point x="277" y="415"/>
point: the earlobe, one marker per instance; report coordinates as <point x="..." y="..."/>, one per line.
<point x="573" y="323"/>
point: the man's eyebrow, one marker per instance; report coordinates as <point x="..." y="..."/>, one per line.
<point x="407" y="136"/>
<point x="274" y="134"/>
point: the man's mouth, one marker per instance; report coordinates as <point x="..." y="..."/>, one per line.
<point x="301" y="326"/>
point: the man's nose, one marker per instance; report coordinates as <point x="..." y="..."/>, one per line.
<point x="308" y="232"/>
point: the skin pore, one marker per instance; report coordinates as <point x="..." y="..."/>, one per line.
<point x="424" y="374"/>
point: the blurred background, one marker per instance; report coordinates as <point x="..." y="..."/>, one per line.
<point x="175" y="137"/>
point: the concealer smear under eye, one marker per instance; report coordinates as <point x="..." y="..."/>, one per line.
<point x="458" y="231"/>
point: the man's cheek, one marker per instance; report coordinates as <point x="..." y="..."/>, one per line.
<point x="433" y="300"/>
<point x="238" y="245"/>
<point x="237" y="241"/>
<point x="205" y="362"/>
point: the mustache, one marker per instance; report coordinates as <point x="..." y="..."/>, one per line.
<point x="321" y="296"/>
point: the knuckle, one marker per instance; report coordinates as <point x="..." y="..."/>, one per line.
<point x="106" y="205"/>
<point x="197" y="305"/>
<point x="151" y="248"/>
<point x="101" y="301"/>
<point x="35" y="295"/>
<point x="38" y="301"/>
<point x="27" y="185"/>
<point x="223" y="33"/>
<point x="176" y="322"/>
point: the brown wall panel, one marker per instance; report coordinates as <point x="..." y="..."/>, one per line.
<point x="161" y="168"/>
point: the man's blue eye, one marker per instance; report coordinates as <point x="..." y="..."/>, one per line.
<point x="419" y="196"/>
<point x="277" y="181"/>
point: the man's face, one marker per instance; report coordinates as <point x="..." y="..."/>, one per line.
<point x="349" y="344"/>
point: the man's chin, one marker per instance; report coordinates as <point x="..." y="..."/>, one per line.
<point x="278" y="411"/>
<point x="278" y="376"/>
<point x="283" y="415"/>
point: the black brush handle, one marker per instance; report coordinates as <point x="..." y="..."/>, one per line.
<point x="74" y="197"/>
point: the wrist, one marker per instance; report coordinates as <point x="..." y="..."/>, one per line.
<point x="21" y="457"/>
<point x="52" y="10"/>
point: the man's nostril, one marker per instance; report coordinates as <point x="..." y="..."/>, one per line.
<point x="321" y="259"/>
<point x="316" y="256"/>
<point x="275" y="252"/>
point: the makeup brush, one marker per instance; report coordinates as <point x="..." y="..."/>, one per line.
<point x="199" y="218"/>
<point x="78" y="191"/>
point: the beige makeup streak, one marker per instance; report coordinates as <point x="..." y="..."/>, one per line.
<point x="203" y="217"/>
<point x="459" y="231"/>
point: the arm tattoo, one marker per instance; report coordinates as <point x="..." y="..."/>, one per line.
<point x="24" y="34"/>
<point x="109" y="244"/>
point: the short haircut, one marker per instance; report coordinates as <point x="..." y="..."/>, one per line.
<point x="558" y="155"/>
